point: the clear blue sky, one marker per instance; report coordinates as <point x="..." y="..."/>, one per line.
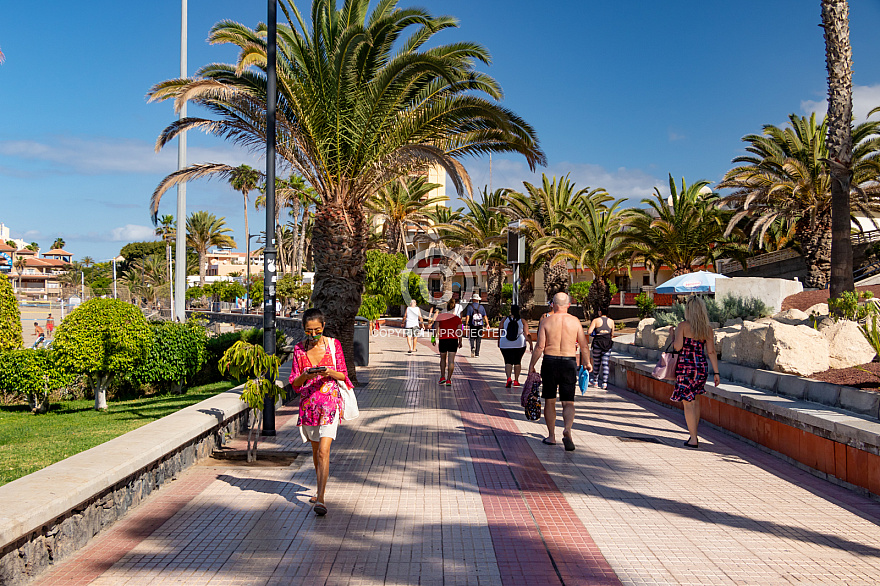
<point x="620" y="93"/>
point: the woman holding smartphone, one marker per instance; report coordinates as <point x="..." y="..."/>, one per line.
<point x="318" y="364"/>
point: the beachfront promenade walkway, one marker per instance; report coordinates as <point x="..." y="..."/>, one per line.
<point x="452" y="486"/>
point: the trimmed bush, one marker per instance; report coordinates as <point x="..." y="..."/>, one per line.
<point x="730" y="307"/>
<point x="646" y="305"/>
<point x="103" y="339"/>
<point x="372" y="307"/>
<point x="176" y="356"/>
<point x="10" y="317"/>
<point x="33" y="374"/>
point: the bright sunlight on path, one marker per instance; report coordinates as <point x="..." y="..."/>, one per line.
<point x="451" y="486"/>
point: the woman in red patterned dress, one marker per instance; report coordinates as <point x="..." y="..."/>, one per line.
<point x="694" y="339"/>
<point x="318" y="364"/>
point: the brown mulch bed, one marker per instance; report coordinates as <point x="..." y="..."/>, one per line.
<point x="808" y="299"/>
<point x="854" y="376"/>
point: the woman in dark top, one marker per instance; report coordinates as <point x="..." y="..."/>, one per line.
<point x="600" y="331"/>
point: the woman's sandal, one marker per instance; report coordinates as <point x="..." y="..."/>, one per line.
<point x="320" y="509"/>
<point x="688" y="444"/>
<point x="313" y="500"/>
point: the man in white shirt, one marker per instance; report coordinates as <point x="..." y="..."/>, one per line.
<point x="412" y="324"/>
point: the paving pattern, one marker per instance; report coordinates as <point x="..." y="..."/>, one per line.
<point x="451" y="486"/>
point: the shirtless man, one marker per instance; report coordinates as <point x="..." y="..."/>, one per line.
<point x="557" y="335"/>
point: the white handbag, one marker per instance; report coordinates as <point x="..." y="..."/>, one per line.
<point x="349" y="401"/>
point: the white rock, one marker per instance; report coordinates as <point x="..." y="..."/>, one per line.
<point x="656" y="338"/>
<point x="746" y="347"/>
<point x="640" y="330"/>
<point x="847" y="345"/>
<point x="723" y="333"/>
<point x="799" y="350"/>
<point x="792" y="317"/>
<point x="820" y="308"/>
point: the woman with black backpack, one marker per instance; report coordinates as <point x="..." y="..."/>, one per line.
<point x="601" y="330"/>
<point x="512" y="342"/>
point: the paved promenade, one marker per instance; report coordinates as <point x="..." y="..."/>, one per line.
<point x="452" y="486"/>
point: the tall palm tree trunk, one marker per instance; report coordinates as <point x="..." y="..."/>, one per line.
<point x="495" y="278"/>
<point x="816" y="246"/>
<point x="294" y="254"/>
<point x="555" y="278"/>
<point x="202" y="268"/>
<point x="339" y="246"/>
<point x="247" y="232"/>
<point x="838" y="57"/>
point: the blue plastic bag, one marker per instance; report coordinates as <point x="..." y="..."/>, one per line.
<point x="583" y="379"/>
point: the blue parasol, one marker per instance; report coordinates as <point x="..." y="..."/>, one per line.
<point x="699" y="282"/>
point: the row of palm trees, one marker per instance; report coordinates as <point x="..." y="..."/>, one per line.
<point x="367" y="96"/>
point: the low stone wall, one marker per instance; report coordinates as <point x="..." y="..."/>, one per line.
<point x="53" y="512"/>
<point x="292" y="328"/>
<point x="840" y="445"/>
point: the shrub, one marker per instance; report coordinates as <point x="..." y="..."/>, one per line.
<point x="104" y="339"/>
<point x="218" y="345"/>
<point x="579" y="291"/>
<point x="34" y="374"/>
<point x="10" y="318"/>
<point x="290" y="287"/>
<point x="850" y="305"/>
<point x="734" y="306"/>
<point x="507" y="292"/>
<point x="673" y="317"/>
<point x="372" y="307"/>
<point x="646" y="305"/>
<point x="176" y="356"/>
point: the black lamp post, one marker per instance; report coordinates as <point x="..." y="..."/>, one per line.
<point x="269" y="251"/>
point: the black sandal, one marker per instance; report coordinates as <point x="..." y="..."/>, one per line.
<point x="547" y="441"/>
<point x="688" y="444"/>
<point x="320" y="509"/>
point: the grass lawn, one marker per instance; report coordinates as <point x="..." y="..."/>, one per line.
<point x="29" y="442"/>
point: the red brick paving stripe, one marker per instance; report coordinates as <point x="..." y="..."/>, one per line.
<point x="111" y="545"/>
<point x="535" y="532"/>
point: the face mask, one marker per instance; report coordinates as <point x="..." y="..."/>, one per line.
<point x="314" y="337"/>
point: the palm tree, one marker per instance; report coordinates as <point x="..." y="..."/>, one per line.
<point x="591" y="238"/>
<point x="683" y="230"/>
<point x="20" y="264"/>
<point x="541" y="212"/>
<point x="58" y="244"/>
<point x="245" y="179"/>
<point x="402" y="204"/>
<point x="839" y="140"/>
<point x="87" y="261"/>
<point x="785" y="177"/>
<point x="361" y="101"/>
<point x="204" y="230"/>
<point x="479" y="234"/>
<point x="33" y="246"/>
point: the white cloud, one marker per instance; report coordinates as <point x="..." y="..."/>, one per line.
<point x="865" y="99"/>
<point x="99" y="156"/>
<point x="132" y="233"/>
<point x="620" y="183"/>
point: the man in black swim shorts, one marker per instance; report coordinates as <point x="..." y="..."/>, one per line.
<point x="557" y="336"/>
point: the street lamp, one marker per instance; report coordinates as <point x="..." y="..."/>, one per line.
<point x="516" y="254"/>
<point x="269" y="250"/>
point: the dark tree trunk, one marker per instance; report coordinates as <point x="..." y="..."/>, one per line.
<point x="339" y="239"/>
<point x="815" y="245"/>
<point x="527" y="295"/>
<point x="555" y="279"/>
<point x="599" y="297"/>
<point x="838" y="58"/>
<point x="495" y="277"/>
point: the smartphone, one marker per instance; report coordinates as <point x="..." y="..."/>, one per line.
<point x="315" y="369"/>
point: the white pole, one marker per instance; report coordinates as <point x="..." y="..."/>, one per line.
<point x="82" y="285"/>
<point x="115" y="296"/>
<point x="180" y="252"/>
<point x="170" y="279"/>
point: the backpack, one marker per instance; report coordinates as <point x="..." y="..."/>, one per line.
<point x="477" y="317"/>
<point x="530" y="398"/>
<point x="512" y="329"/>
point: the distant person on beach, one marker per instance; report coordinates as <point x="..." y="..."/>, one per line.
<point x="318" y="363"/>
<point x="50" y="325"/>
<point x="694" y="339"/>
<point x="557" y="336"/>
<point x="601" y="330"/>
<point x="449" y="331"/>
<point x="40" y="334"/>
<point x="412" y="324"/>
<point x="512" y="342"/>
<point x="475" y="319"/>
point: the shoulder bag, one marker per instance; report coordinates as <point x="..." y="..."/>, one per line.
<point x="665" y="369"/>
<point x="349" y="401"/>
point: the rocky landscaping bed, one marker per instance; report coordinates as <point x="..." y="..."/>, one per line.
<point x="865" y="377"/>
<point x="807" y="299"/>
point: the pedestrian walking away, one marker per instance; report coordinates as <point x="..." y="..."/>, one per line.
<point x="475" y="320"/>
<point x="50" y="325"/>
<point x="459" y="308"/>
<point x="40" y="334"/>
<point x="557" y="336"/>
<point x="601" y="330"/>
<point x="693" y="339"/>
<point x="317" y="368"/>
<point x="412" y="324"/>
<point x="512" y="342"/>
<point x="448" y="329"/>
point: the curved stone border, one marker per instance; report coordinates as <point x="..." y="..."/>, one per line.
<point x="52" y="512"/>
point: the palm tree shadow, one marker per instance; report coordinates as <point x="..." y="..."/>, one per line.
<point x="290" y="491"/>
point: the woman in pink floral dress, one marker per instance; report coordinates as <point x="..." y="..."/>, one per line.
<point x="318" y="364"/>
